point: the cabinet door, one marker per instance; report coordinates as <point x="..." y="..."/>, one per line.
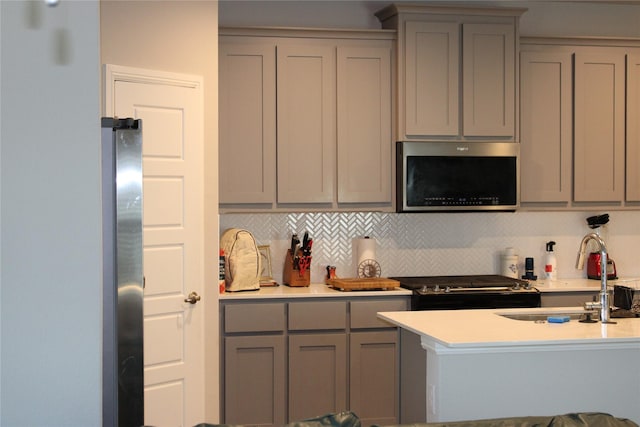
<point x="374" y="376"/>
<point x="364" y="124"/>
<point x="247" y="123"/>
<point x="545" y="126"/>
<point x="431" y="58"/>
<point x="317" y="375"/>
<point x="306" y="124"/>
<point x="254" y="380"/>
<point x="599" y="127"/>
<point x="633" y="128"/>
<point x="488" y="79"/>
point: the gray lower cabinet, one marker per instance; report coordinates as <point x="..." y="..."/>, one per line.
<point x="254" y="376"/>
<point x="374" y="382"/>
<point x="317" y="358"/>
<point x="317" y="374"/>
<point x="374" y="369"/>
<point x="254" y="369"/>
<point x="568" y="299"/>
<point x="287" y="360"/>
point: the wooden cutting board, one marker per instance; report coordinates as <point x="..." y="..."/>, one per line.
<point x="363" y="284"/>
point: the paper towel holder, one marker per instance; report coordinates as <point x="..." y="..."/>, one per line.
<point x="367" y="266"/>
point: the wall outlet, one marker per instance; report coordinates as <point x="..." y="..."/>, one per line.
<point x="431" y="401"/>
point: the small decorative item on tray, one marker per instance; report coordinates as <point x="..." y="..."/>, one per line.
<point x="266" y="277"/>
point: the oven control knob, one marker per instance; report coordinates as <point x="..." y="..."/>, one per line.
<point x="436" y="288"/>
<point x="447" y="289"/>
<point x="423" y="290"/>
<point x="516" y="286"/>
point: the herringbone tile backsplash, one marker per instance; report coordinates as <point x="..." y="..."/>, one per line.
<point x="440" y="243"/>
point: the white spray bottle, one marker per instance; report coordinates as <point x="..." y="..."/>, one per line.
<point x="551" y="264"/>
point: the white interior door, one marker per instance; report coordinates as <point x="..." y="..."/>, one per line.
<point x="171" y="109"/>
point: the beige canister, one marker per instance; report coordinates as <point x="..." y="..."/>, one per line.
<point x="509" y="263"/>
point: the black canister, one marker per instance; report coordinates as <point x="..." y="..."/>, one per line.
<point x="528" y="269"/>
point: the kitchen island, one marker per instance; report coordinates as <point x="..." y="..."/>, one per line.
<point x="481" y="364"/>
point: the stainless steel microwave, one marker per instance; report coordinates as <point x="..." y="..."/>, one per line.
<point x="457" y="176"/>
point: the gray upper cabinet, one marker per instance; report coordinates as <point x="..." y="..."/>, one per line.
<point x="489" y="79"/>
<point x="306" y="123"/>
<point x="305" y="119"/>
<point x="247" y="128"/>
<point x="431" y="79"/>
<point x="599" y="100"/>
<point x="457" y="71"/>
<point x="578" y="122"/>
<point x="633" y="127"/>
<point x="364" y="139"/>
<point x="546" y="131"/>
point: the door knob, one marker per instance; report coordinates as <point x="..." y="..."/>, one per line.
<point x="192" y="298"/>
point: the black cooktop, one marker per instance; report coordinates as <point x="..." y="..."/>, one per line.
<point x="465" y="281"/>
<point x="469" y="292"/>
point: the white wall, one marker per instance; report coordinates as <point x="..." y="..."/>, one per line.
<point x="51" y="260"/>
<point x="552" y="17"/>
<point x="179" y="36"/>
<point x="573" y="18"/>
<point x="0" y="214"/>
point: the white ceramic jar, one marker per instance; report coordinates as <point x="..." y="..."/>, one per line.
<point x="509" y="263"/>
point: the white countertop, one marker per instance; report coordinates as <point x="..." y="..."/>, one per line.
<point x="486" y="328"/>
<point x="321" y="290"/>
<point x="580" y="285"/>
<point x="315" y="290"/>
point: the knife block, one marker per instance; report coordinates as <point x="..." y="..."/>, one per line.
<point x="291" y="277"/>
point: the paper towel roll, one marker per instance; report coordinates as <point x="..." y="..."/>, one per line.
<point x="366" y="249"/>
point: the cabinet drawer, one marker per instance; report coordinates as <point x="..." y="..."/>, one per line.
<point x="317" y="315"/>
<point x="254" y="317"/>
<point x="364" y="313"/>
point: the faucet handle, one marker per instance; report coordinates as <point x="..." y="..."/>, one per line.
<point x="592" y="305"/>
<point x="597" y="220"/>
<point x="587" y="318"/>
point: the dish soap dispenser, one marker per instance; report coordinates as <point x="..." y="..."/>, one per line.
<point x="550" y="265"/>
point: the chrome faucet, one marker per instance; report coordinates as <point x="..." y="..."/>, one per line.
<point x="603" y="305"/>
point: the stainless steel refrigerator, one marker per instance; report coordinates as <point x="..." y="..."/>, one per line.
<point x="123" y="368"/>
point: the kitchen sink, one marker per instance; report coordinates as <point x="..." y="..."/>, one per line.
<point x="540" y="316"/>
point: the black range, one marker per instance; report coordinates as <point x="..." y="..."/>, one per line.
<point x="469" y="292"/>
